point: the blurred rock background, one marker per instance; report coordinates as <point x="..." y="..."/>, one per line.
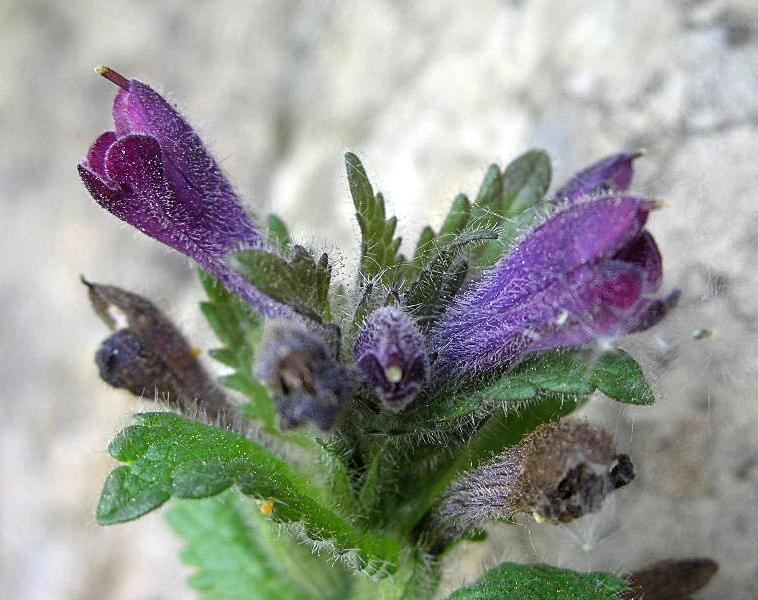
<point x="428" y="93"/>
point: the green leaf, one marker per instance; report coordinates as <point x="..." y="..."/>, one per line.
<point x="379" y="247"/>
<point x="618" y="376"/>
<point x="488" y="209"/>
<point x="169" y="456"/>
<point x="441" y="276"/>
<point x="238" y="327"/>
<point x="301" y="282"/>
<point x="424" y="245"/>
<point x="511" y="581"/>
<point x="570" y="372"/>
<point x="525" y="182"/>
<point x="238" y="554"/>
<point x="277" y="233"/>
<point x="507" y="202"/>
<point x="457" y="218"/>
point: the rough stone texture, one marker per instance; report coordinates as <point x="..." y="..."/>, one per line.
<point x="427" y="93"/>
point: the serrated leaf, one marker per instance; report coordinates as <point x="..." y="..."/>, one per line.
<point x="226" y="356"/>
<point x="238" y="554"/>
<point x="379" y="247"/>
<point x="488" y="205"/>
<point x="457" y="218"/>
<point x="571" y="372"/>
<point x="239" y="329"/>
<point x="169" y="456"/>
<point x="511" y="581"/>
<point x="525" y="182"/>
<point x="301" y="282"/>
<point x="506" y="202"/>
<point x="441" y="276"/>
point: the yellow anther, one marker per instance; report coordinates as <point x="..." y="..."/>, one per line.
<point x="394" y="374"/>
<point x="267" y="507"/>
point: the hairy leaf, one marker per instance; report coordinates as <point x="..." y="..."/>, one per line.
<point x="457" y="218"/>
<point x="511" y="581"/>
<point x="488" y="210"/>
<point x="300" y="282"/>
<point x="168" y="455"/>
<point x="441" y="276"/>
<point x="379" y="247"/>
<point x="570" y="374"/>
<point x="277" y="233"/>
<point x="239" y="554"/>
<point x="525" y="182"/>
<point x="506" y="202"/>
<point x="238" y="327"/>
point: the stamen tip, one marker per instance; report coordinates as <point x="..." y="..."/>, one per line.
<point x="112" y="76"/>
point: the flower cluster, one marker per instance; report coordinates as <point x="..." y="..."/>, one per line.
<point x="431" y="387"/>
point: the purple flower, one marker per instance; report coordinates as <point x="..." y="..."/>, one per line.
<point x="612" y="174"/>
<point x="154" y="173"/>
<point x="589" y="273"/>
<point x="391" y="356"/>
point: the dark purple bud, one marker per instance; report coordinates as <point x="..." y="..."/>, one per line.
<point x="154" y="173"/>
<point x="590" y="273"/>
<point x="558" y="473"/>
<point x="124" y="363"/>
<point x="611" y="175"/>
<point x="391" y="355"/>
<point x="150" y="356"/>
<point x="307" y="380"/>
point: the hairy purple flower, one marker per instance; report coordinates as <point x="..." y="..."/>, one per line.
<point x="611" y="175"/>
<point x="558" y="473"/>
<point x="307" y="380"/>
<point x="589" y="273"/>
<point x="154" y="172"/>
<point x="150" y="355"/>
<point x="391" y="355"/>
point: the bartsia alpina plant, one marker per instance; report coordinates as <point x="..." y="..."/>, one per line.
<point x="360" y="427"/>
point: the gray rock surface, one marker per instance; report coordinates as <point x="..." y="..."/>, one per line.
<point x="428" y="93"/>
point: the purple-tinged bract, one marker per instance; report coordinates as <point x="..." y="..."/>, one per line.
<point x="589" y="273"/>
<point x="611" y="175"/>
<point x="154" y="172"/>
<point x="391" y="355"/>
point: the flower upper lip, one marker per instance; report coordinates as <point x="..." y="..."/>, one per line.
<point x="587" y="273"/>
<point x="154" y="172"/>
